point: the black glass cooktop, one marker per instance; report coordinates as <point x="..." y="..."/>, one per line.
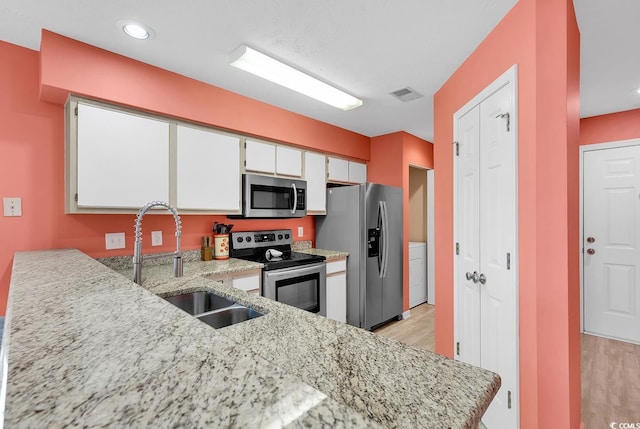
<point x="287" y="260"/>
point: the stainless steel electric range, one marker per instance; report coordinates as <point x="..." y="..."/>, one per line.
<point x="293" y="278"/>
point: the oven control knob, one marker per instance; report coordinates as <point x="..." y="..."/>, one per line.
<point x="240" y="240"/>
<point x="279" y="236"/>
<point x="286" y="236"/>
<point x="248" y="239"/>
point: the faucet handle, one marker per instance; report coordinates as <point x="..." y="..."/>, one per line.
<point x="177" y="265"/>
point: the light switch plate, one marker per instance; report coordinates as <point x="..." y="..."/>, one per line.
<point x="156" y="238"/>
<point x="12" y="206"/>
<point x="114" y="240"/>
<point x="300" y="231"/>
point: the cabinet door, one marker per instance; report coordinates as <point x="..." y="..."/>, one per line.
<point x="122" y="159"/>
<point x="248" y="283"/>
<point x="316" y="177"/>
<point x="337" y="297"/>
<point x="208" y="170"/>
<point x="357" y="172"/>
<point x="288" y="161"/>
<point x="260" y="157"/>
<point x="338" y="169"/>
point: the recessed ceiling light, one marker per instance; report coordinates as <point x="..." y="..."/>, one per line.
<point x="638" y="91"/>
<point x="136" y="30"/>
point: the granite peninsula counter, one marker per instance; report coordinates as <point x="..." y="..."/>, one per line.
<point x="86" y="346"/>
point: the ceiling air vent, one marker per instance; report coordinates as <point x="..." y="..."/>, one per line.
<point x="406" y="94"/>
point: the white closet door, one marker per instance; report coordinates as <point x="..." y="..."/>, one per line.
<point x="486" y="229"/>
<point x="468" y="189"/>
<point x="497" y="249"/>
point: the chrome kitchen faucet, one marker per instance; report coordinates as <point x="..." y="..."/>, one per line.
<point x="137" y="249"/>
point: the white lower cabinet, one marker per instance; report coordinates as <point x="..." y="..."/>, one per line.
<point x="337" y="290"/>
<point x="248" y="281"/>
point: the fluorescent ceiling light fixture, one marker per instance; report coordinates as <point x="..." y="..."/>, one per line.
<point x="136" y="29"/>
<point x="255" y="62"/>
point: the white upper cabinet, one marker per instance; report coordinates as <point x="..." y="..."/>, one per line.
<point x="272" y="159"/>
<point x="357" y="172"/>
<point x="316" y="176"/>
<point x="260" y="157"/>
<point x="208" y="170"/>
<point x="341" y="170"/>
<point x="288" y="161"/>
<point x="338" y="169"/>
<point x="122" y="159"/>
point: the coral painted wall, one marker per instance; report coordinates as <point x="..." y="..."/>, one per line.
<point x="32" y="143"/>
<point x="610" y="128"/>
<point x="391" y="156"/>
<point x="542" y="38"/>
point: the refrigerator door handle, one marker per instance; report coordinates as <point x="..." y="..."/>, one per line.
<point x="384" y="239"/>
<point x="380" y="250"/>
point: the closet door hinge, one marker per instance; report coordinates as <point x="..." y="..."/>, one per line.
<point x="509" y="399"/>
<point x="76" y="111"/>
<point x="457" y="248"/>
<point x="457" y="148"/>
<point x="508" y="261"/>
<point x="458" y="348"/>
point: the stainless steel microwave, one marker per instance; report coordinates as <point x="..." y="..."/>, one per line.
<point x="273" y="197"/>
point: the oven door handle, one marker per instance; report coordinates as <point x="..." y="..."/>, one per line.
<point x="296" y="272"/>
<point x="295" y="199"/>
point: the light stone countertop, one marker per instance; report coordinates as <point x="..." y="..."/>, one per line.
<point x="89" y="347"/>
<point x="330" y="255"/>
<point x="84" y="346"/>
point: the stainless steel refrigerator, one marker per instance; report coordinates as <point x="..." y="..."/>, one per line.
<point x="366" y="221"/>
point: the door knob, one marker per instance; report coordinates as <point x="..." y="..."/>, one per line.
<point x="590" y="239"/>
<point x="591" y="251"/>
<point x="482" y="279"/>
<point x="473" y="277"/>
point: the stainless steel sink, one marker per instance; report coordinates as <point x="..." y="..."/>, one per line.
<point x="212" y="309"/>
<point x="199" y="302"/>
<point x="229" y="316"/>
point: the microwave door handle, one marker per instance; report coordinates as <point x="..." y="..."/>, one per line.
<point x="295" y="199"/>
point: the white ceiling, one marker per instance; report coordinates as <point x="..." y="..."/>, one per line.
<point x="367" y="47"/>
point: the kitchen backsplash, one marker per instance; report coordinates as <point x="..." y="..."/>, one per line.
<point x="301" y="245"/>
<point x="125" y="262"/>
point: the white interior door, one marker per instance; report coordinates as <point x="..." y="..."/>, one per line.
<point x="468" y="194"/>
<point x="497" y="249"/>
<point x="486" y="232"/>
<point x="611" y="251"/>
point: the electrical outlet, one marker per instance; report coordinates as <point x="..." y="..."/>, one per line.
<point x="114" y="240"/>
<point x="12" y="206"/>
<point x="300" y="231"/>
<point x="156" y="238"/>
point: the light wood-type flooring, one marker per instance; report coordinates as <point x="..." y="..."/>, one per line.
<point x="418" y="330"/>
<point x="610" y="369"/>
<point x="610" y="372"/>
